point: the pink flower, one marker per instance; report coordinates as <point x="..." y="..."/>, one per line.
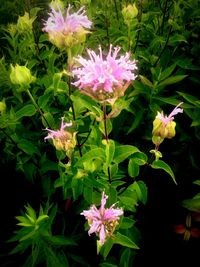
<point x="102" y="221"/>
<point x="104" y="78"/>
<point x="59" y="134"/>
<point x="69" y="29"/>
<point x="167" y="119"/>
<point x="164" y="126"/>
<point x="62" y="139"/>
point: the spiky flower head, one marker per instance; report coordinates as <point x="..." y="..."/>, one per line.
<point x="62" y="139"/>
<point x="68" y="29"/>
<point x="102" y="221"/>
<point x="164" y="126"/>
<point x="105" y="78"/>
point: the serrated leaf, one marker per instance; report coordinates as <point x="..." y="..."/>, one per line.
<point x="159" y="164"/>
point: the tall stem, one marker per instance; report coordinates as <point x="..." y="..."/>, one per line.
<point x="36" y="106"/>
<point x="104" y="122"/>
<point x="69" y="61"/>
<point x="106" y="135"/>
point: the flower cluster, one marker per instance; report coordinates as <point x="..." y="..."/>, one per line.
<point x="164" y="126"/>
<point x="102" y="221"/>
<point x="62" y="139"/>
<point x="104" y="78"/>
<point x="66" y="31"/>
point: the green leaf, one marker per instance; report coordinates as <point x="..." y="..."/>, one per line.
<point x="145" y="81"/>
<point x="60" y="241"/>
<point x="127" y="223"/>
<point x="124" y="241"/>
<point x="28" y="147"/>
<point x="171" y="80"/>
<point x="190" y="98"/>
<point x="92" y="154"/>
<point x="133" y="168"/>
<point x="42" y="218"/>
<point x="159" y="164"/>
<point x="192" y="204"/>
<point x="122" y="152"/>
<point x="110" y="150"/>
<point x="141" y="190"/>
<point x="28" y="110"/>
<point x="177" y="38"/>
<point x="167" y="72"/>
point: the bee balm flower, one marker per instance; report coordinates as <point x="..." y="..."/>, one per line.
<point x="66" y="31"/>
<point x="105" y="78"/>
<point x="102" y="221"/>
<point x="62" y="139"/>
<point x="164" y="126"/>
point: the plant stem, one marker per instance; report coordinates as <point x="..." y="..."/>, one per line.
<point x="37" y="107"/>
<point x="106" y="135"/>
<point x="69" y="60"/>
<point x="104" y="122"/>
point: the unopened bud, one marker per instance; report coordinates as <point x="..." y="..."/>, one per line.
<point x="21" y="75"/>
<point x="129" y="13"/>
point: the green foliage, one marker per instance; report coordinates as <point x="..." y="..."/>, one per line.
<point x="113" y="142"/>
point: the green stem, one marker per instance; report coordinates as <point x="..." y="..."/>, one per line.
<point x="69" y="61"/>
<point x="106" y="136"/>
<point x="36" y="106"/>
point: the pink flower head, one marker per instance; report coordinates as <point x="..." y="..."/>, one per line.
<point x="104" y="78"/>
<point x="68" y="29"/>
<point x="62" y="139"/>
<point x="102" y="221"/>
<point x="59" y="134"/>
<point x="167" y="119"/>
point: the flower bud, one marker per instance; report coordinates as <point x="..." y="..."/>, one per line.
<point x="129" y="13"/>
<point x="21" y="75"/>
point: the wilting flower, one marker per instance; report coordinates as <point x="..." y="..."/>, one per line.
<point x="62" y="139"/>
<point x="164" y="126"/>
<point x="105" y="78"/>
<point x="102" y="221"/>
<point x="69" y="29"/>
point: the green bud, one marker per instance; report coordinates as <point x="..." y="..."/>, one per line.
<point x="2" y="106"/>
<point x="21" y="75"/>
<point x="129" y="13"/>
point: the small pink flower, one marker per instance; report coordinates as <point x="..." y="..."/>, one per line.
<point x="59" y="134"/>
<point x="62" y="139"/>
<point x="102" y="221"/>
<point x="167" y="119"/>
<point x="104" y="77"/>
<point x="65" y="30"/>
